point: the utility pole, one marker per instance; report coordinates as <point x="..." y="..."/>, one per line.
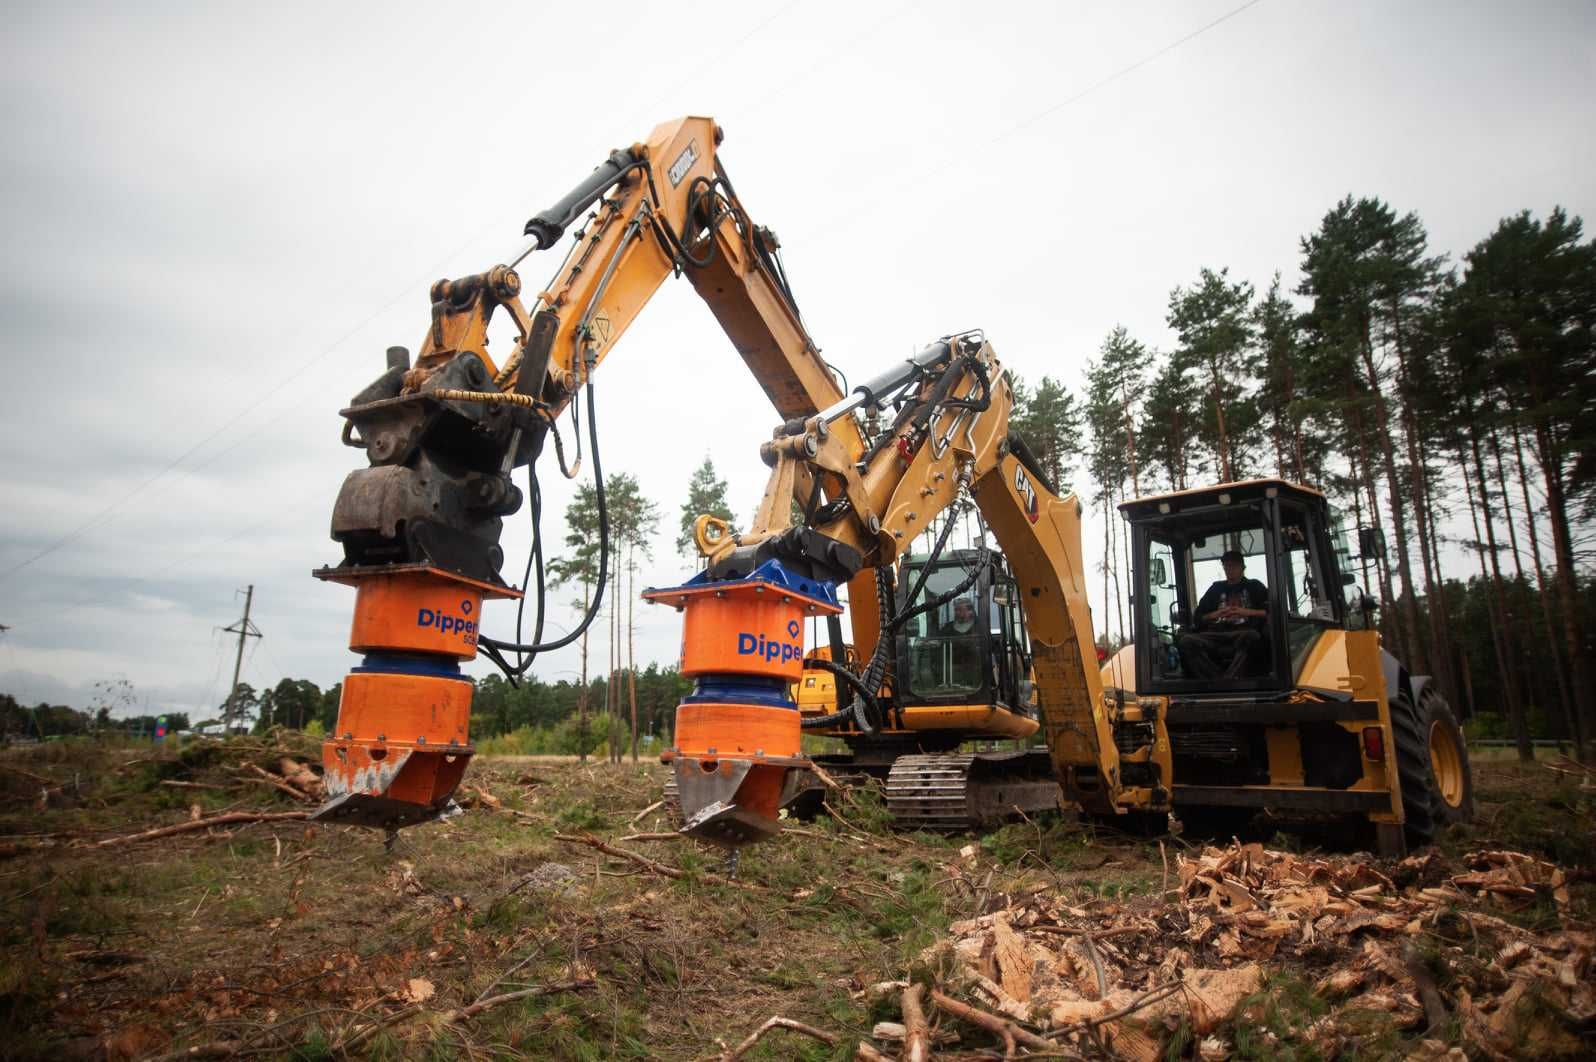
<point x="244" y="629"/>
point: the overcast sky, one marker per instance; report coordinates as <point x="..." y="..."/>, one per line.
<point x="217" y="217"/>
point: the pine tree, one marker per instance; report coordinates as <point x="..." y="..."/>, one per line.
<point x="1530" y="291"/>
<point x="705" y="494"/>
<point x="1362" y="266"/>
<point x="1169" y="427"/>
<point x="1214" y="322"/>
<point x="580" y="566"/>
<point x="1050" y="423"/>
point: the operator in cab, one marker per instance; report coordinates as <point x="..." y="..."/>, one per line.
<point x="961" y="632"/>
<point x="1230" y="624"/>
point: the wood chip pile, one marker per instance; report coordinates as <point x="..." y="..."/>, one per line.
<point x="1443" y="950"/>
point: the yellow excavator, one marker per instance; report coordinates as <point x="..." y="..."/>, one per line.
<point x="951" y="647"/>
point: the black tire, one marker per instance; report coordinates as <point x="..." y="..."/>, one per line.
<point x="1440" y="723"/>
<point x="1410" y="733"/>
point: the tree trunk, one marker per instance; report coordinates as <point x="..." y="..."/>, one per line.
<point x="1219" y="419"/>
<point x="1443" y="652"/>
<point x="1576" y="729"/>
<point x="1390" y="630"/>
<point x="581" y="695"/>
<point x="1504" y="620"/>
<point x="1407" y="606"/>
<point x="631" y="642"/>
<point x="1113" y="559"/>
<point x="1550" y="455"/>
<point x="1527" y="627"/>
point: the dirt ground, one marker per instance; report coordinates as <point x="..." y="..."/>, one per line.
<point x="280" y="938"/>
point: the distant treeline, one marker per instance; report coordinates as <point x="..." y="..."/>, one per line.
<point x="57" y="720"/>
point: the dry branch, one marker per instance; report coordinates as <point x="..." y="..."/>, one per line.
<point x="865" y="1053"/>
<point x="277" y="783"/>
<point x="193" y="785"/>
<point x="916" y="1034"/>
<point x="226" y="819"/>
<point x="992" y="1023"/>
<point x="777" y="1023"/>
<point x="466" y="1013"/>
<point x="652" y="807"/>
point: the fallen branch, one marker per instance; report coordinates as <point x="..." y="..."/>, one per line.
<point x="652" y="807"/>
<point x="916" y="1034"/>
<point x="650" y="865"/>
<point x="193" y="785"/>
<point x="454" y="1017"/>
<point x="226" y="819"/>
<point x="41" y="779"/>
<point x="865" y="1053"/>
<point x="277" y="783"/>
<point x="825" y="779"/>
<point x="649" y="837"/>
<point x="992" y="1023"/>
<point x="777" y="1023"/>
<point x="1146" y="999"/>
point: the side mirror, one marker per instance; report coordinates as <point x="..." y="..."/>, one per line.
<point x="1369" y="603"/>
<point x="1348" y="579"/>
<point x="1159" y="574"/>
<point x="1371" y="542"/>
<point x="1179" y="616"/>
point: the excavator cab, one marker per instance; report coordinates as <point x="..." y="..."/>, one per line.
<point x="1194" y="631"/>
<point x="970" y="648"/>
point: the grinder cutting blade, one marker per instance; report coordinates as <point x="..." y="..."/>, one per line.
<point x="734" y="802"/>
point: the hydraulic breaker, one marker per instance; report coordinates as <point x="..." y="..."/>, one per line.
<point x="737" y="754"/>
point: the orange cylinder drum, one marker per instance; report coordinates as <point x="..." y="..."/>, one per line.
<point x="416" y="612"/>
<point x="736" y="730"/>
<point x="738" y="736"/>
<point x="402" y="740"/>
<point x="751" y="628"/>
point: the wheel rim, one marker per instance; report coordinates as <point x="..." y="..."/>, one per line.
<point x="1446" y="763"/>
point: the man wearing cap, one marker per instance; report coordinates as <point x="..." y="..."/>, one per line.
<point x="1230" y="621"/>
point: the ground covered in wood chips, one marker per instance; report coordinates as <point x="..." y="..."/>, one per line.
<point x="559" y="917"/>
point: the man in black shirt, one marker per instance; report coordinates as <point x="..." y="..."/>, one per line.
<point x="1230" y="621"/>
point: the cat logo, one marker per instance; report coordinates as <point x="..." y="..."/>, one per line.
<point x="683" y="163"/>
<point x="1027" y="493"/>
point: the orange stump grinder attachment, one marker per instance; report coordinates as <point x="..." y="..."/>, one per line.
<point x="737" y="754"/>
<point x="402" y="741"/>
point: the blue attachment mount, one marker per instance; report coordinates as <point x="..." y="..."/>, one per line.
<point x="771" y="573"/>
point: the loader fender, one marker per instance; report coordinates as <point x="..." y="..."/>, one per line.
<point x="1397" y="681"/>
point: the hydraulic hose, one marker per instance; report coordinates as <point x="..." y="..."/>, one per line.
<point x="865" y="709"/>
<point x="604" y="557"/>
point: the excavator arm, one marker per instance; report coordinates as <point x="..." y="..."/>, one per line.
<point x="949" y="443"/>
<point x="420" y="525"/>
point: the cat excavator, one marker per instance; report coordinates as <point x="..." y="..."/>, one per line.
<point x="1325" y="720"/>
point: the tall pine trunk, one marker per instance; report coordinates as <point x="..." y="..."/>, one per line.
<point x="1576" y="729"/>
<point x="1407" y="606"/>
<point x="1550" y="454"/>
<point x="631" y="642"/>
<point x="1504" y="619"/>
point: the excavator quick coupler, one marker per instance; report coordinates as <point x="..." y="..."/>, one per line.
<point x="737" y="751"/>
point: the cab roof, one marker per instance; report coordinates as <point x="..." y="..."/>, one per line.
<point x="1219" y="494"/>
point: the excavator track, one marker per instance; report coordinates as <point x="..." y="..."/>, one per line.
<point x="954" y="791"/>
